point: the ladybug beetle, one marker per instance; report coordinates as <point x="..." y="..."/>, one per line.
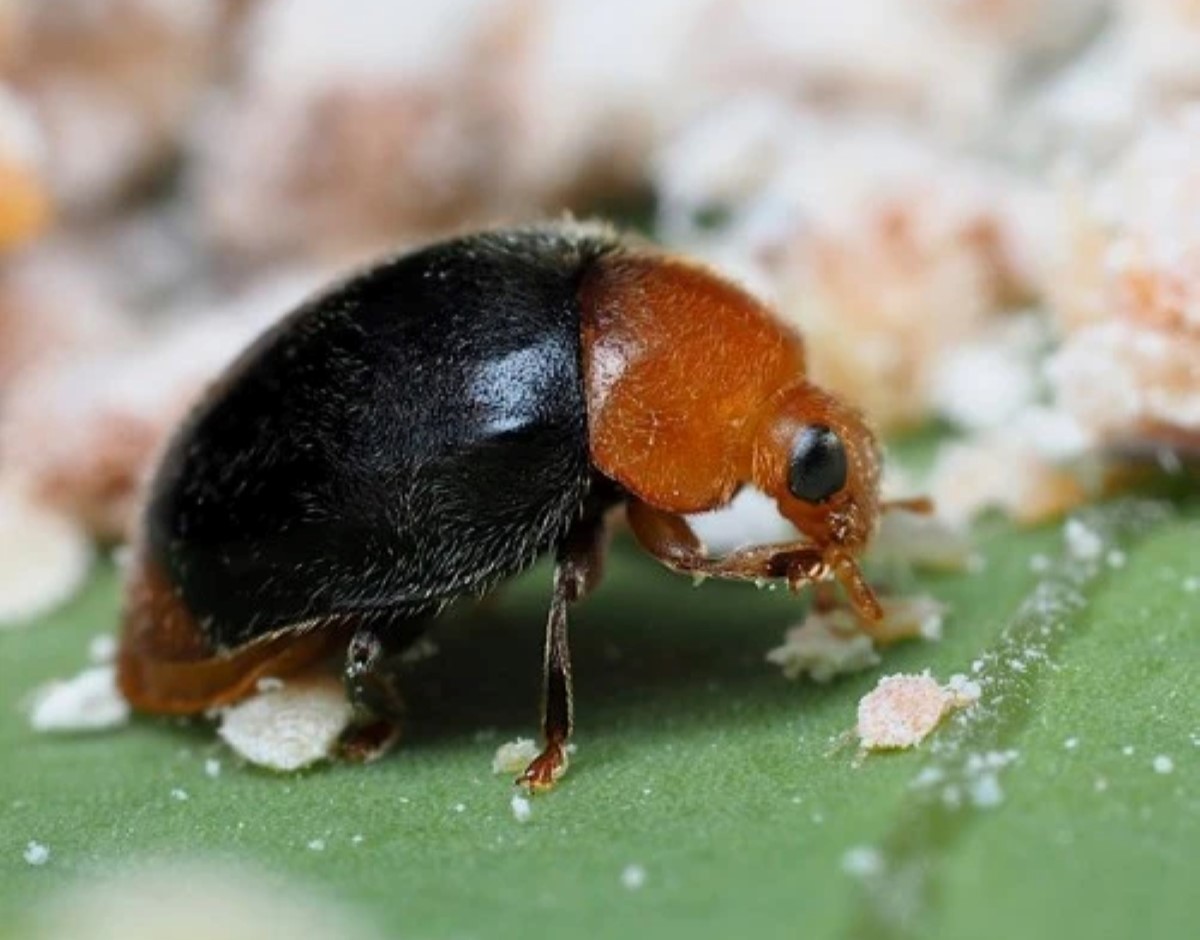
<point x="432" y="425"/>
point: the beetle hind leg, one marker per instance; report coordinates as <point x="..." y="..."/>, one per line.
<point x="372" y="682"/>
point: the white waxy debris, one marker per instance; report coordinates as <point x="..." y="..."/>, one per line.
<point x="1163" y="764"/>
<point x="902" y="710"/>
<point x="179" y="795"/>
<point x="88" y="702"/>
<point x="290" y="727"/>
<point x="1071" y="743"/>
<point x="1116" y="558"/>
<point x="102" y="649"/>
<point x="922" y="541"/>
<point x="825" y="645"/>
<point x="633" y="877"/>
<point x="356" y="839"/>
<point x="268" y="684"/>
<point x="985" y="791"/>
<point x="44" y="557"/>
<point x="36" y="854"/>
<point x="460" y="807"/>
<point x="863" y="861"/>
<point x="1191" y="585"/>
<point x="1083" y="543"/>
<point x="212" y="768"/>
<point x="1127" y="750"/>
<point x="522" y="809"/>
<point x="513" y="757"/>
<point x="316" y="845"/>
<point x="966" y="691"/>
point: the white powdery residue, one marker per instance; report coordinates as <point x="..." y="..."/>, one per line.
<point x="825" y="645"/>
<point x="513" y="757"/>
<point x="460" y="807"/>
<point x="291" y="727"/>
<point x="316" y="845"/>
<point x="522" y="809"/>
<point x="863" y="861"/>
<point x="985" y="792"/>
<point x="1163" y="764"/>
<point x="36" y="854"/>
<point x="966" y="691"/>
<point x="633" y="877"/>
<point x="102" y="649"/>
<point x="928" y="777"/>
<point x="1071" y="743"/>
<point x="1116" y="558"/>
<point x="1083" y="543"/>
<point x="1191" y="585"/>
<point x="88" y="702"/>
<point x="212" y="768"/>
<point x="179" y="795"/>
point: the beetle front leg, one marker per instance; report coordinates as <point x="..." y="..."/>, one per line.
<point x="670" y="539"/>
<point x="578" y="567"/>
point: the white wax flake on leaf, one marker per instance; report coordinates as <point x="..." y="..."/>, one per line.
<point x="212" y="768"/>
<point x="88" y="702"/>
<point x="633" y="877"/>
<point x="36" y="854"/>
<point x="44" y="557"/>
<point x="316" y="845"/>
<point x="902" y="710"/>
<point x="825" y="645"/>
<point x="1163" y="764"/>
<point x="863" y="861"/>
<point x="293" y="726"/>
<point x="1083" y="543"/>
<point x="522" y="809"/>
<point x="834" y="642"/>
<point x="179" y="795"/>
<point x="102" y="649"/>
<point x="513" y="757"/>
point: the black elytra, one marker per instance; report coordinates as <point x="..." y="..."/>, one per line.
<point x="818" y="467"/>
<point x="416" y="433"/>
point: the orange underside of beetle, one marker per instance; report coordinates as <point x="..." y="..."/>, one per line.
<point x="166" y="665"/>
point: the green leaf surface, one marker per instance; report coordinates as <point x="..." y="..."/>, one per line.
<point x="734" y="790"/>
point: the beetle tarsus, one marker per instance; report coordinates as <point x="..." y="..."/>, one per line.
<point x="545" y="769"/>
<point x="368" y="740"/>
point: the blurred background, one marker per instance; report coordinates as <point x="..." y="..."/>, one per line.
<point x="982" y="213"/>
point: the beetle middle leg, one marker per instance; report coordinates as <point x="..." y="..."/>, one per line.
<point x="578" y="567"/>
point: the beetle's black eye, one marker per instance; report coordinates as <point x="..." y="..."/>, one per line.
<point x="818" y="465"/>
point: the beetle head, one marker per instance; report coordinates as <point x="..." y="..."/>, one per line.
<point x="817" y="457"/>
